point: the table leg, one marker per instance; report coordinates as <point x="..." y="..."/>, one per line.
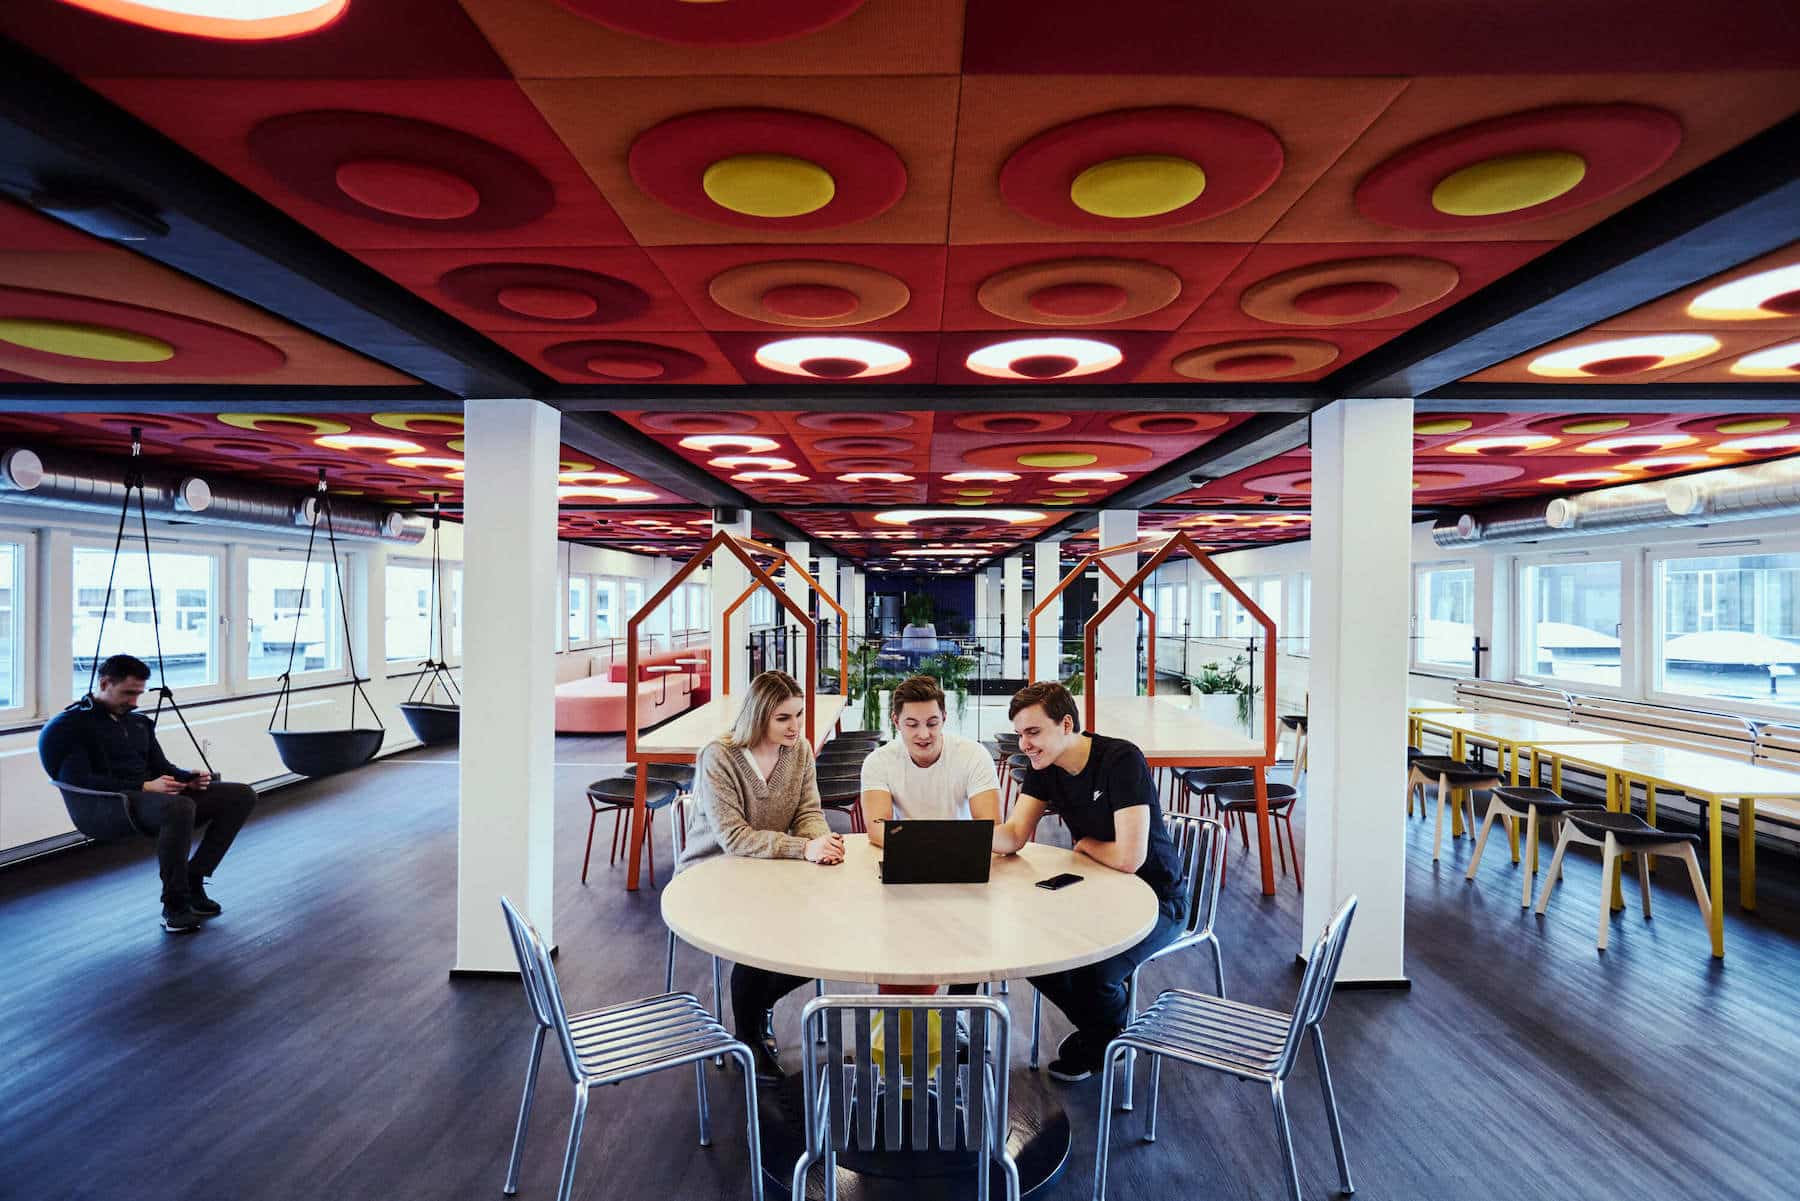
<point x="1556" y="775"/>
<point x="1621" y="802"/>
<point x="1747" y="852"/>
<point x="1262" y="831"/>
<point x="1512" y="824"/>
<point x="1715" y="871"/>
<point x="639" y="816"/>
<point x="1650" y="816"/>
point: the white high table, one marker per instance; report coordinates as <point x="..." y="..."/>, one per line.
<point x="682" y="739"/>
<point x="841" y="923"/>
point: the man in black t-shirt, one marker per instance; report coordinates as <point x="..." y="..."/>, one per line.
<point x="1102" y="789"/>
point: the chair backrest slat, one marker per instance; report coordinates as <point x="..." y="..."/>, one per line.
<point x="921" y="1095"/>
<point x="542" y="993"/>
<point x="975" y="1098"/>
<point x="865" y="1085"/>
<point x="1200" y="845"/>
<point x="837" y="1100"/>
<point x="1316" y="984"/>
<point x="890" y="1092"/>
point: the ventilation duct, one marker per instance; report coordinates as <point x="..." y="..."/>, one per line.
<point x="1730" y="494"/>
<point x="97" y="485"/>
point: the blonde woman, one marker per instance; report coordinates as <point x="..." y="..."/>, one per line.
<point x="756" y="794"/>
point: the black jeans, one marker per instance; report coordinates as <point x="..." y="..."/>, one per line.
<point x="172" y="816"/>
<point x="1094" y="997"/>
<point x="754" y="992"/>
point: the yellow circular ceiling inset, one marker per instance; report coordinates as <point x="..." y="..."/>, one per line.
<point x="1071" y="492"/>
<point x="1442" y="425"/>
<point x="975" y="492"/>
<point x="768" y="185"/>
<point x="78" y="340"/>
<point x="417" y="423"/>
<point x="1138" y="185"/>
<point x="1754" y="425"/>
<point x="1602" y="425"/>
<point x="1509" y="183"/>
<point x="272" y="422"/>
<point x="1058" y="459"/>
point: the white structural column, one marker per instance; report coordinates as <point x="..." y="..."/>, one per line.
<point x="1046" y="575"/>
<point x="1012" y="615"/>
<point x="1117" y="665"/>
<point x="798" y="592"/>
<point x="729" y="579"/>
<point x="506" y="816"/>
<point x="1361" y="575"/>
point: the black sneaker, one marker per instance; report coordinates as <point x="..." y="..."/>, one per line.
<point x="178" y="918"/>
<point x="199" y="902"/>
<point x="762" y="1054"/>
<point x="1074" y="1060"/>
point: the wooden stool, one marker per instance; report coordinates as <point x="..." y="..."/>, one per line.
<point x="1530" y="804"/>
<point x="1455" y="780"/>
<point x="1616" y="834"/>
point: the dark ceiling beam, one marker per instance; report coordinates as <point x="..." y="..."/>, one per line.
<point x="56" y="135"/>
<point x="937" y="398"/>
<point x="1742" y="204"/>
<point x="216" y="398"/>
<point x="1772" y="397"/>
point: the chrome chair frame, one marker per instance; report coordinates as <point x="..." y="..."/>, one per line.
<point x="614" y="1044"/>
<point x="836" y="1091"/>
<point x="1200" y="841"/>
<point x="1241" y="1040"/>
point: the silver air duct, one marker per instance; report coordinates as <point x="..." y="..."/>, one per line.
<point x="98" y="486"/>
<point x="1729" y="494"/>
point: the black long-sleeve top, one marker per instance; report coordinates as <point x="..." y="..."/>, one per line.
<point x="88" y="747"/>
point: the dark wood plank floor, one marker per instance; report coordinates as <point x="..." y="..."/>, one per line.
<point x="309" y="1043"/>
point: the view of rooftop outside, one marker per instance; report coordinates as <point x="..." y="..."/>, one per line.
<point x="292" y="618"/>
<point x="1569" y="622"/>
<point x="1444" y="615"/>
<point x="1730" y="627"/>
<point x="184" y="613"/>
<point x="11" y="575"/>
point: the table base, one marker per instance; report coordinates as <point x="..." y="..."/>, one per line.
<point x="1039" y="1141"/>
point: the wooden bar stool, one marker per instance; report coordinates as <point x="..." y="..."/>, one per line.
<point x="1456" y="782"/>
<point x="1530" y="804"/>
<point x="1621" y="833"/>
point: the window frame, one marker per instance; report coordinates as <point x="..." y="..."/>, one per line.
<point x="1653" y="557"/>
<point x="1417" y="662"/>
<point x="1628" y="560"/>
<point x="28" y="629"/>
<point x="255" y="685"/>
<point x="220" y="648"/>
<point x="430" y="633"/>
<point x="578" y="583"/>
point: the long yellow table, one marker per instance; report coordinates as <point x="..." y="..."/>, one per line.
<point x="1702" y="777"/>
<point x="1415" y="705"/>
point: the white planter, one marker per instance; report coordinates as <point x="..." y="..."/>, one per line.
<point x="1219" y="708"/>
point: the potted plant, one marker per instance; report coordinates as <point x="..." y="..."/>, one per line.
<point x="867" y="679"/>
<point x="952" y="674"/>
<point x="1228" y="698"/>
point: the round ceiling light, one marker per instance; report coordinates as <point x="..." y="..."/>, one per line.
<point x="1761" y="445"/>
<point x="771" y="477"/>
<point x="394" y="446"/>
<point x="749" y="443"/>
<point x="1087" y="477"/>
<point x="1756" y="297"/>
<point x="226" y="20"/>
<point x="622" y="495"/>
<point x="591" y="477"/>
<point x="1623" y="356"/>
<point x="428" y="461"/>
<point x="975" y="477"/>
<point x="1044" y="358"/>
<point x="1776" y="360"/>
<point x="1586" y="477"/>
<point x="832" y="357"/>
<point x="1504" y="444"/>
<point x="878" y="477"/>
<point x="1670" y="462"/>
<point x="1006" y="516"/>
<point x="1636" y="444"/>
<point x="764" y="462"/>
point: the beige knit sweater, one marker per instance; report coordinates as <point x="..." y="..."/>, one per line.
<point x="736" y="812"/>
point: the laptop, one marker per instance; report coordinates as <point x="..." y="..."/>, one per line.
<point x="917" y="851"/>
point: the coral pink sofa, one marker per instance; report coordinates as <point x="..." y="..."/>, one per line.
<point x="597" y="704"/>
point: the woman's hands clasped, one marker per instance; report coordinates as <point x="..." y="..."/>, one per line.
<point x="825" y="849"/>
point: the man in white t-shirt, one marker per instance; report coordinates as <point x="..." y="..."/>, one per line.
<point x="926" y="772"/>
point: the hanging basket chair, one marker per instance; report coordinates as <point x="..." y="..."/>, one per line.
<point x="102" y="816"/>
<point x="325" y="752"/>
<point x="434" y="722"/>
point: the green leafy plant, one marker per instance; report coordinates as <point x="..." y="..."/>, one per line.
<point x="952" y="673"/>
<point x="919" y="610"/>
<point x="1074" y="683"/>
<point x="867" y="679"/>
<point x="1215" y="679"/>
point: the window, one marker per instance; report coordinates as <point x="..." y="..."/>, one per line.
<point x="578" y="609"/>
<point x="409" y="631"/>
<point x="1212" y="616"/>
<point x="634" y="599"/>
<point x="294" y="621"/>
<point x="762" y="608"/>
<point x="1569" y="622"/>
<point x="1729" y="626"/>
<point x="180" y="614"/>
<point x="12" y="645"/>
<point x="1444" y="616"/>
<point x="607" y="619"/>
<point x="1267" y="595"/>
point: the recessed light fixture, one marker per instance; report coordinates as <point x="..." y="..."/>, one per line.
<point x="1586" y="477"/>
<point x="972" y="477"/>
<point x="940" y="552"/>
<point x="1007" y="516"/>
<point x="1757" y="445"/>
<point x="771" y="477"/>
<point x="1669" y="462"/>
<point x="591" y="477"/>
<point x="225" y="20"/>
<point x="426" y="461"/>
<point x="765" y="462"/>
<point x="397" y="446"/>
<point x="1501" y="444"/>
<point x="1623" y="356"/>
<point x="1766" y="294"/>
<point x="1783" y="360"/>
<point x="749" y="443"/>
<point x="875" y="477"/>
<point x="622" y="495"/>
<point x="1087" y="477"/>
<point x="833" y="358"/>
<point x="1636" y="442"/>
<point x="1044" y="358"/>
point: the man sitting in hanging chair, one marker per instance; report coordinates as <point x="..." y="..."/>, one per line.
<point x="101" y="743"/>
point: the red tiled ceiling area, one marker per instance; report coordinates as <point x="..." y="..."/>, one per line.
<point x="397" y="457"/>
<point x="1479" y="458"/>
<point x="941" y="192"/>
<point x="1741" y="326"/>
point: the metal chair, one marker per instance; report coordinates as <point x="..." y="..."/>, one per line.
<point x="841" y="1097"/>
<point x="616" y="1044"/>
<point x="1200" y="842"/>
<point x="681" y="775"/>
<point x="1624" y="834"/>
<point x="619" y="795"/>
<point x="1243" y="1041"/>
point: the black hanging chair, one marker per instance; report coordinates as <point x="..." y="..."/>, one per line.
<point x="324" y="752"/>
<point x="105" y="816"/>
<point x="434" y="721"/>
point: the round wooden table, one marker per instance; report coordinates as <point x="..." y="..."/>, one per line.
<point x="842" y="924"/>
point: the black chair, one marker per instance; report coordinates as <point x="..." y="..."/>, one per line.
<point x="842" y="791"/>
<point x="1200" y="782"/>
<point x="1622" y="834"/>
<point x="1455" y="780"/>
<point x="1530" y="804"/>
<point x="681" y="775"/>
<point x="619" y="794"/>
<point x="102" y="816"/>
<point x="1237" y="802"/>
